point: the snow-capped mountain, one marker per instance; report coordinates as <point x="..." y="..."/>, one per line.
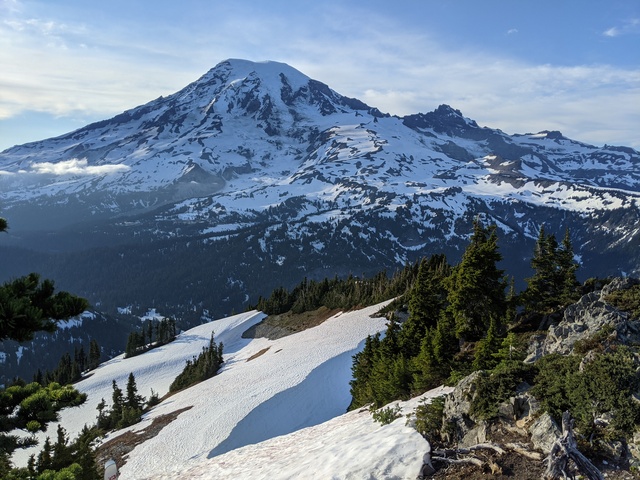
<point x="276" y="410"/>
<point x="255" y="176"/>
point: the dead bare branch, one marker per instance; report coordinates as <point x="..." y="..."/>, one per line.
<point x="565" y="449"/>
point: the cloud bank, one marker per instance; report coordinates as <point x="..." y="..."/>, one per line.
<point x="75" y="167"/>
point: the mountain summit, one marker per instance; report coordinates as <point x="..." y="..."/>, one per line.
<point x="255" y="167"/>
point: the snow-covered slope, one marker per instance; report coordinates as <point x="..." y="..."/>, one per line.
<point x="351" y="446"/>
<point x="266" y="389"/>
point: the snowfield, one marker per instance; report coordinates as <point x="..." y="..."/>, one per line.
<point x="275" y="410"/>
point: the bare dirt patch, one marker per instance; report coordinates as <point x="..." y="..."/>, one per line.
<point x="118" y="448"/>
<point x="256" y="355"/>
<point x="278" y="326"/>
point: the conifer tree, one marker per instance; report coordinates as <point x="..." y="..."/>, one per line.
<point x="476" y="287"/>
<point x="94" y="354"/>
<point x="567" y="268"/>
<point x="118" y="404"/>
<point x="84" y="455"/>
<point x="103" y="419"/>
<point x="426" y="299"/>
<point x="45" y="459"/>
<point x="445" y="344"/>
<point x="133" y="401"/>
<point x="554" y="282"/>
<point x="61" y="452"/>
<point x="488" y="347"/>
<point x="28" y="305"/>
<point x="425" y="368"/>
<point x="361" y="371"/>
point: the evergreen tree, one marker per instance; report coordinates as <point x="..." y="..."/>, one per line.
<point x="133" y="401"/>
<point x="28" y="305"/>
<point x="361" y="371"/>
<point x="425" y="368"/>
<point x="445" y="344"/>
<point x="31" y="465"/>
<point x="94" y="355"/>
<point x="84" y="455"/>
<point x="61" y="452"/>
<point x="103" y="422"/>
<point x="487" y="348"/>
<point x="426" y="300"/>
<point x="567" y="268"/>
<point x="117" y="405"/>
<point x="476" y="287"/>
<point x="45" y="459"/>
<point x="554" y="282"/>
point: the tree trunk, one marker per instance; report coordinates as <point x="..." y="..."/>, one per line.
<point x="565" y="449"/>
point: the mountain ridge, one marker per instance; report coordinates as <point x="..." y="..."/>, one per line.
<point x="260" y="165"/>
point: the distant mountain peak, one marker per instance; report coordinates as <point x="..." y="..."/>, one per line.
<point x="443" y="119"/>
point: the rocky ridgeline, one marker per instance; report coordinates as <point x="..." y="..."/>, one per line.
<point x="591" y="315"/>
<point x="521" y="425"/>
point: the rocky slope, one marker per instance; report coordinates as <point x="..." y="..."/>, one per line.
<point x="521" y="423"/>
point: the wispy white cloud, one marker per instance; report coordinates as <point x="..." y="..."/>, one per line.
<point x="611" y="32"/>
<point x="75" y="167"/>
<point x="512" y="31"/>
<point x="629" y="27"/>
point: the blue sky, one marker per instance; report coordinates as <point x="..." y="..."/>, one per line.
<point x="568" y="65"/>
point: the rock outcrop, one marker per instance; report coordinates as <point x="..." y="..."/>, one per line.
<point x="591" y="315"/>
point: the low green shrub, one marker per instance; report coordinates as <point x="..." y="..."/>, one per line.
<point x="386" y="415"/>
<point x="429" y="418"/>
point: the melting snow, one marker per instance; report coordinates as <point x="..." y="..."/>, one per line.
<point x="276" y="409"/>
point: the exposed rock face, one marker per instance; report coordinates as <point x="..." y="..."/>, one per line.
<point x="544" y="432"/>
<point x="584" y="319"/>
<point x="460" y="426"/>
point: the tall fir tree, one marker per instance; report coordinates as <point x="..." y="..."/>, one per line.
<point x="426" y="374"/>
<point x="567" y="268"/>
<point x="426" y="300"/>
<point x="476" y="286"/>
<point x="133" y="400"/>
<point x="553" y="284"/>
<point x="361" y="371"/>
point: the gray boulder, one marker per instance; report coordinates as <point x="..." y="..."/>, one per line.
<point x="544" y="433"/>
<point x="458" y="422"/>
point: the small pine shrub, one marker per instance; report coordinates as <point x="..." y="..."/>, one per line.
<point x="493" y="388"/>
<point x="603" y="387"/>
<point x="154" y="400"/>
<point x="429" y="418"/>
<point x="386" y="415"/>
<point x="627" y="300"/>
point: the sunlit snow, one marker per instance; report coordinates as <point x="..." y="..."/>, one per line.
<point x="276" y="409"/>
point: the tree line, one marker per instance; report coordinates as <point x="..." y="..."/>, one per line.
<point x="458" y="318"/>
<point x="345" y="293"/>
<point x="153" y="334"/>
<point x="70" y="370"/>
